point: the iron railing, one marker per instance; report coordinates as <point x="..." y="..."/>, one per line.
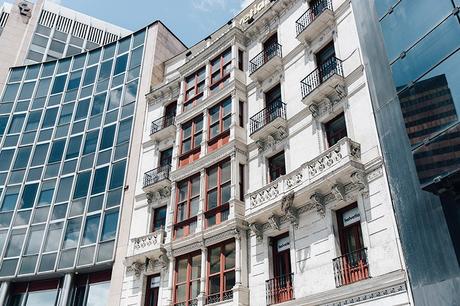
<point x="351" y="267"/>
<point x="156" y="175"/>
<point x="320" y="75"/>
<point x="161" y="123"/>
<point x="218" y="297"/>
<point x="193" y="302"/>
<point x="280" y="289"/>
<point x="270" y="113"/>
<point x="313" y="12"/>
<point x="263" y="57"/>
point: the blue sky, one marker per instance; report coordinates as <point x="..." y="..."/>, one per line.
<point x="190" y="20"/>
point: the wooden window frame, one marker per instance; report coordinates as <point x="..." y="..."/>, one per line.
<point x="189" y="219"/>
<point x="192" y="100"/>
<point x="222" y="66"/>
<point x="184" y="157"/>
<point x="220" y="208"/>
<point x="222" y="271"/>
<point x="188" y="281"/>
<point x="152" y="291"/>
<point x="223" y="135"/>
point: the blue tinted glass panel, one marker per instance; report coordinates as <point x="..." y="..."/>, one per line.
<point x="91" y="229"/>
<point x="66" y="113"/>
<point x="43" y="87"/>
<point x="90" y="76"/>
<point x="124" y="131"/>
<point x="27" y="90"/>
<point x="34" y="120"/>
<point x="110" y="225"/>
<point x="138" y="38"/>
<point x="73" y="148"/>
<point x="28" y="196"/>
<point x="81" y="188"/>
<point x="11" y="92"/>
<point x="94" y="57"/>
<point x="59" y="83"/>
<point x="50" y="117"/>
<point x="108" y="135"/>
<point x="46" y="193"/>
<point x="114" y="98"/>
<point x="16" y="124"/>
<point x="10" y="198"/>
<point x="100" y="180"/>
<point x="118" y="174"/>
<point x="3" y="123"/>
<point x="72" y="233"/>
<point x="106" y="69"/>
<point x="65" y="186"/>
<point x="40" y="153"/>
<point x="22" y="158"/>
<point x="5" y="159"/>
<point x="57" y="151"/>
<point x="136" y="58"/>
<point x="82" y="109"/>
<point x="98" y="104"/>
<point x="74" y="80"/>
<point x="120" y="64"/>
<point x="48" y="69"/>
<point x="91" y="142"/>
<point x="130" y="92"/>
<point x="64" y="65"/>
<point x="16" y="74"/>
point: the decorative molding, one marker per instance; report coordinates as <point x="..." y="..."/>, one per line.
<point x="257" y="229"/>
<point x="187" y="249"/>
<point x="359" y="179"/>
<point x="221" y="237"/>
<point x="291" y="213"/>
<point x="264" y="195"/>
<point x="396" y="289"/>
<point x="375" y="174"/>
<point x="158" y="195"/>
<point x="338" y="190"/>
<point x="274" y="222"/>
<point x="271" y="140"/>
<point x="318" y="202"/>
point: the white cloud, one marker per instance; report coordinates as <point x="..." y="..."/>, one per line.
<point x="208" y="5"/>
<point x="246" y="3"/>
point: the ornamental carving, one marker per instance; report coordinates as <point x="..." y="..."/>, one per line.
<point x="319" y="203"/>
<point x="325" y="161"/>
<point x="359" y="179"/>
<point x="294" y="180"/>
<point x="338" y="190"/>
<point x="271" y="140"/>
<point x="291" y="213"/>
<point x="257" y="230"/>
<point x="274" y="222"/>
<point x="159" y="194"/>
<point x="267" y="194"/>
<point x="146" y="241"/>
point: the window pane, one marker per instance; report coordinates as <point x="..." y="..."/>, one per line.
<point x="212" y="178"/>
<point x="74" y="80"/>
<point x="10" y="92"/>
<point x="114" y="98"/>
<point x="98" y="104"/>
<point x="118" y="175"/>
<point x="33" y="120"/>
<point x="73" y="148"/>
<point x="50" y="117"/>
<point x="66" y="113"/>
<point x="82" y="109"/>
<point x="229" y="253"/>
<point x="53" y="238"/>
<point x="59" y="83"/>
<point x="100" y="180"/>
<point x="35" y="240"/>
<point x="196" y="266"/>
<point x="22" y="158"/>
<point x="57" y="150"/>
<point x="110" y="225"/>
<point x="15" y="244"/>
<point x="16" y="124"/>
<point x="6" y="157"/>
<point x="130" y="92"/>
<point x="46" y="193"/>
<point x="106" y="69"/>
<point x="40" y="154"/>
<point x="26" y="90"/>
<point x="91" y="142"/>
<point x="124" y="131"/>
<point x="72" y="233"/>
<point x="10" y="198"/>
<point x="81" y="188"/>
<point x="108" y="135"/>
<point x="97" y="293"/>
<point x="91" y="229"/>
<point x="120" y="65"/>
<point x="65" y="186"/>
<point x="214" y="260"/>
<point x="28" y="196"/>
<point x="136" y="58"/>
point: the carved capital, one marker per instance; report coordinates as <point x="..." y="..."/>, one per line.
<point x="318" y="202"/>
<point x="274" y="222"/>
<point x="338" y="190"/>
<point x="256" y="228"/>
<point x="158" y="195"/>
<point x="137" y="268"/>
<point x="359" y="179"/>
<point x="289" y="210"/>
<point x="163" y="259"/>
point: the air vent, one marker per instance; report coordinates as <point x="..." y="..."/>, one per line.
<point x="109" y="37"/>
<point x="47" y="19"/>
<point x="80" y="30"/>
<point x="3" y="19"/>
<point x="64" y="24"/>
<point x="95" y="35"/>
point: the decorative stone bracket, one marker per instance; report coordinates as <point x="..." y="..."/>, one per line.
<point x="256" y="228"/>
<point x="271" y="140"/>
<point x="289" y="210"/>
<point x="318" y="202"/>
<point x="338" y="190"/>
<point x="158" y="195"/>
<point x="274" y="222"/>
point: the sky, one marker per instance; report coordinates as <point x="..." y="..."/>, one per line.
<point x="190" y="20"/>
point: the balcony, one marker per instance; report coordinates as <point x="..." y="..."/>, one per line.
<point x="351" y="268"/>
<point x="280" y="289"/>
<point x="193" y="302"/>
<point x="266" y="62"/>
<point x="335" y="165"/>
<point x="157" y="178"/>
<point x="268" y="120"/>
<point x="219" y="297"/>
<point x="311" y="24"/>
<point x="163" y="128"/>
<point x="148" y="246"/>
<point x="322" y="82"/>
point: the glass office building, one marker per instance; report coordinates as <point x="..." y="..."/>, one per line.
<point x="412" y="49"/>
<point x="65" y="130"/>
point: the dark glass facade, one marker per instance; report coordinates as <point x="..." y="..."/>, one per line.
<point x="65" y="130"/>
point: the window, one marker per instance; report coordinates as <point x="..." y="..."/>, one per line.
<point x="194" y="87"/>
<point x="110" y="225"/>
<point x="153" y="288"/>
<point x="192" y="134"/>
<point x="92" y="288"/>
<point x="91" y="229"/>
<point x="221" y="272"/>
<point x="280" y="287"/>
<point x="276" y="166"/>
<point x="159" y="218"/>
<point x="218" y="191"/>
<point x="188" y="200"/>
<point x="240" y="59"/>
<point x="336" y="129"/>
<point x="35" y="293"/>
<point x="28" y="196"/>
<point x="241" y="113"/>
<point x="81" y="187"/>
<point x="59" y="83"/>
<point x="220" y="69"/>
<point x="57" y="150"/>
<point x="166" y="157"/>
<point x="241" y="182"/>
<point x="72" y="233"/>
<point x="73" y="148"/>
<point x="220" y="118"/>
<point x="16" y="124"/>
<point x="187" y="279"/>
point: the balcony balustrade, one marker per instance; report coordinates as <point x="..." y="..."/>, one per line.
<point x="193" y="302"/>
<point x="163" y="128"/>
<point x="266" y="62"/>
<point x="280" y="289"/>
<point x="351" y="267"/>
<point x="268" y="120"/>
<point x="218" y="297"/>
<point x="323" y="81"/>
<point x="157" y="178"/>
<point x="314" y="21"/>
<point x="147" y="246"/>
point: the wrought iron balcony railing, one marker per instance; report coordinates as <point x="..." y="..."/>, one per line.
<point x="351" y="267"/>
<point x="219" y="297"/>
<point x="269" y="114"/>
<point x="263" y="57"/>
<point x="313" y="12"/>
<point x="156" y="175"/>
<point x="330" y="67"/>
<point x="161" y="124"/>
<point x="280" y="289"/>
<point x="193" y="302"/>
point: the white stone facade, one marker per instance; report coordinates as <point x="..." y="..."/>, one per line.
<point x="304" y="202"/>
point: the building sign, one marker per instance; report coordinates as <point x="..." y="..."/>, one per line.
<point x="351" y="216"/>
<point x="155" y="282"/>
<point x="255" y="9"/>
<point x="283" y="244"/>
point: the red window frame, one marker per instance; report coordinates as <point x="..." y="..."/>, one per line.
<point x="221" y="209"/>
<point x="224" y="270"/>
<point x="189" y="279"/>
<point x="220" y="69"/>
<point x="196" y="133"/>
<point x="186" y="222"/>
<point x="221" y="122"/>
<point x="194" y="87"/>
<point x="151" y="294"/>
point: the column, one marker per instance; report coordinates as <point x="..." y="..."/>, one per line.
<point x="4" y="292"/>
<point x="170" y="281"/>
<point x="200" y="219"/>
<point x="202" y="296"/>
<point x="234" y="192"/>
<point x="169" y="226"/>
<point x="204" y="139"/>
<point x="66" y="289"/>
<point x="238" y="256"/>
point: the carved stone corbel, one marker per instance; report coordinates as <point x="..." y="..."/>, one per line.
<point x="256" y="228"/>
<point x="314" y="109"/>
<point x="274" y="222"/>
<point x="163" y="259"/>
<point x="289" y="210"/>
<point x="359" y="179"/>
<point x="338" y="190"/>
<point x="137" y="268"/>
<point x="318" y="202"/>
